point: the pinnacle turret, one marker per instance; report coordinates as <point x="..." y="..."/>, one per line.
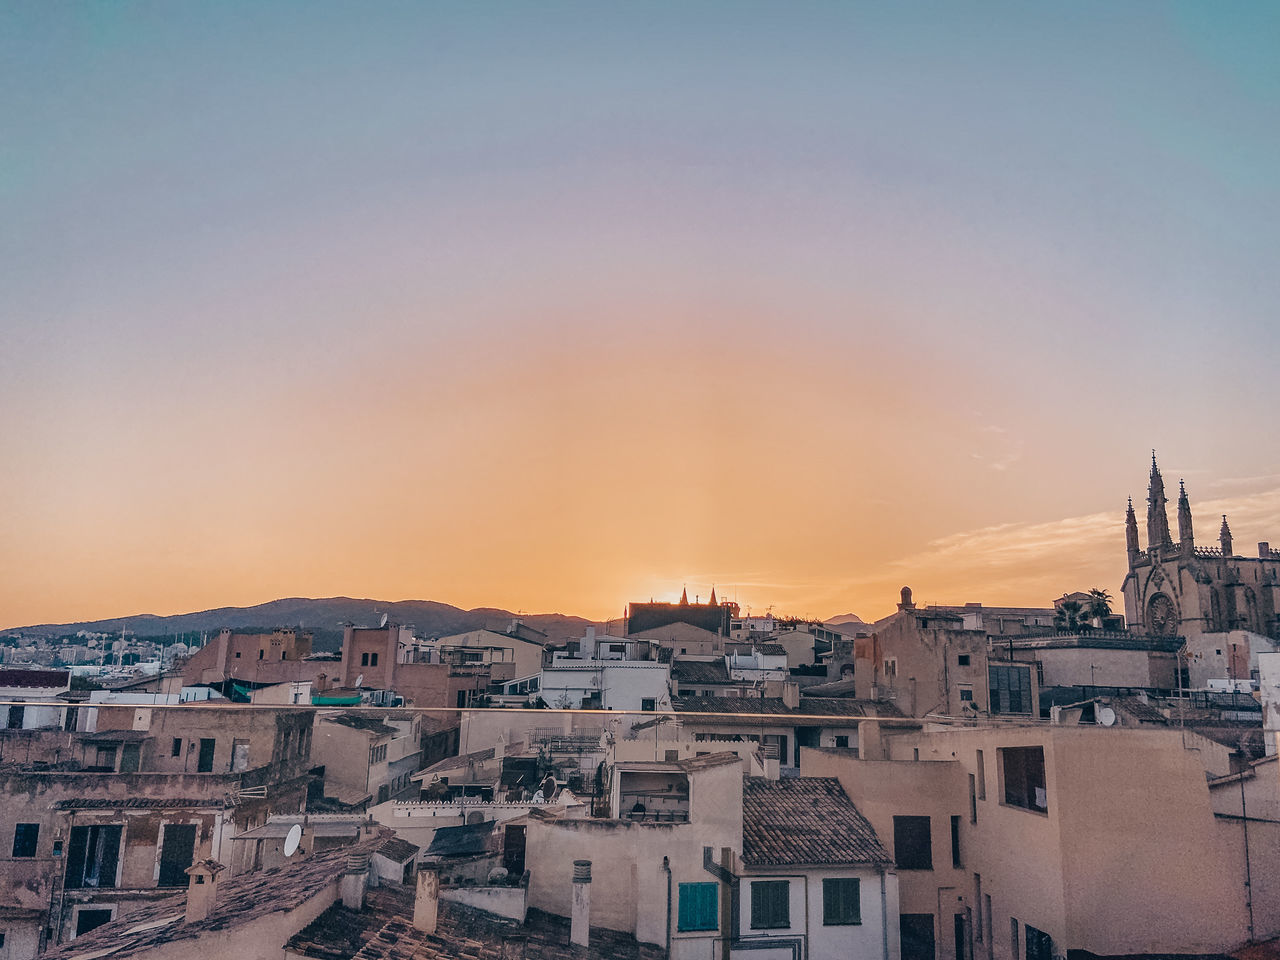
<point x="1131" y="532"/>
<point x="1224" y="538"/>
<point x="1185" y="535"/>
<point x="1157" y="513"/>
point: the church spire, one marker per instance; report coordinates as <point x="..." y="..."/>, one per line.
<point x="684" y="597"/>
<point x="1131" y="533"/>
<point x="1224" y="538"/>
<point x="1157" y="514"/>
<point x="1184" y="520"/>
<point x="712" y="601"/>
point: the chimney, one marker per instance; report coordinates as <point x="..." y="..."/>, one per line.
<point x="352" y="886"/>
<point x="1264" y="549"/>
<point x="426" y="903"/>
<point x="791" y="694"/>
<point x="202" y="889"/>
<point x="580" y="922"/>
<point x="500" y="748"/>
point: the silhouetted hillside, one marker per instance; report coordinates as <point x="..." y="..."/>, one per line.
<point x="324" y="618"/>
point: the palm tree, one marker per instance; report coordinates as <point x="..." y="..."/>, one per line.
<point x="1070" y="617"/>
<point x="1098" y="606"/>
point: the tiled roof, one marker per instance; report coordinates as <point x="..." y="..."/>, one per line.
<point x="755" y="706"/>
<point x="398" y="851"/>
<point x="772" y="649"/>
<point x="1248" y="738"/>
<point x="368" y="724"/>
<point x="460" y="762"/>
<point x="137" y="803"/>
<point x="804" y="821"/>
<point x="750" y="705"/>
<point x="698" y="671"/>
<point x="241" y="900"/>
<point x="847" y="707"/>
<point x="464" y="933"/>
<point x="1140" y="710"/>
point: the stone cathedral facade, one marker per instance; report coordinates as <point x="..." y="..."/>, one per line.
<point x="1180" y="588"/>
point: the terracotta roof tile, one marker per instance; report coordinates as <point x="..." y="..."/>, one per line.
<point x="804" y="820"/>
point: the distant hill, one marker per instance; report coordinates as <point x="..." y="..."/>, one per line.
<point x="324" y="618"/>
<point x="845" y="618"/>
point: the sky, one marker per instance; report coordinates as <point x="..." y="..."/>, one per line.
<point x="558" y="306"/>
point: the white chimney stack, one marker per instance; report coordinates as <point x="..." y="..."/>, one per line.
<point x="355" y="881"/>
<point x="580" y="922"/>
<point x="202" y="889"/>
<point x="426" y="903"/>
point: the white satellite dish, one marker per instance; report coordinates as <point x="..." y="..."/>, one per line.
<point x="292" y="839"/>
<point x="383" y="621"/>
<point x="1107" y="717"/>
<point x="360" y="680"/>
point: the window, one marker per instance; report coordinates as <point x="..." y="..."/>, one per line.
<point x="1013" y="938"/>
<point x="261" y="654"/>
<point x="105" y="757"/>
<point x="378" y="754"/>
<point x="1039" y="943"/>
<point x="1010" y="689"/>
<point x="237" y="654"/>
<point x="94" y="856"/>
<point x="90" y="919"/>
<point x="364" y="659"/>
<point x="699" y="906"/>
<point x="982" y="776"/>
<point x="57" y="848"/>
<point x="177" y="852"/>
<point x="671" y="756"/>
<point x="176" y="747"/>
<point x="955" y="843"/>
<point x="204" y="763"/>
<point x="647" y="704"/>
<point x="373" y="659"/>
<point x="841" y="902"/>
<point x="966" y="694"/>
<point x="977" y="899"/>
<point x="842" y="742"/>
<point x="890" y="667"/>
<point x="973" y="800"/>
<point x="963" y="659"/>
<point x="913" y="843"/>
<point x="25" y="836"/>
<point x="770" y="904"/>
<point x="1023" y="771"/>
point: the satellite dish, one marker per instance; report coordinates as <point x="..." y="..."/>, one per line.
<point x="292" y="839"/>
<point x="1107" y="717"/>
<point x="360" y="680"/>
<point x="383" y="621"/>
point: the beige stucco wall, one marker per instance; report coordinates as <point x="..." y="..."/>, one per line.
<point x="629" y="886"/>
<point x="884" y="789"/>
<point x="1126" y="860"/>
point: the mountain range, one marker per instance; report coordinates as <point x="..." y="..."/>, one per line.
<point x="322" y="617"/>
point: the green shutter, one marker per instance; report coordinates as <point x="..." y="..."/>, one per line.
<point x="699" y="906"/>
<point x="841" y="901"/>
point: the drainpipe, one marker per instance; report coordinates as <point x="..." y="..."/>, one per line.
<point x="1248" y="874"/>
<point x="884" y="914"/>
<point x="666" y="868"/>
<point x="725" y="876"/>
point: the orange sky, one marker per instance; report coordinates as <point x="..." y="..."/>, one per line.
<point x="556" y="308"/>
